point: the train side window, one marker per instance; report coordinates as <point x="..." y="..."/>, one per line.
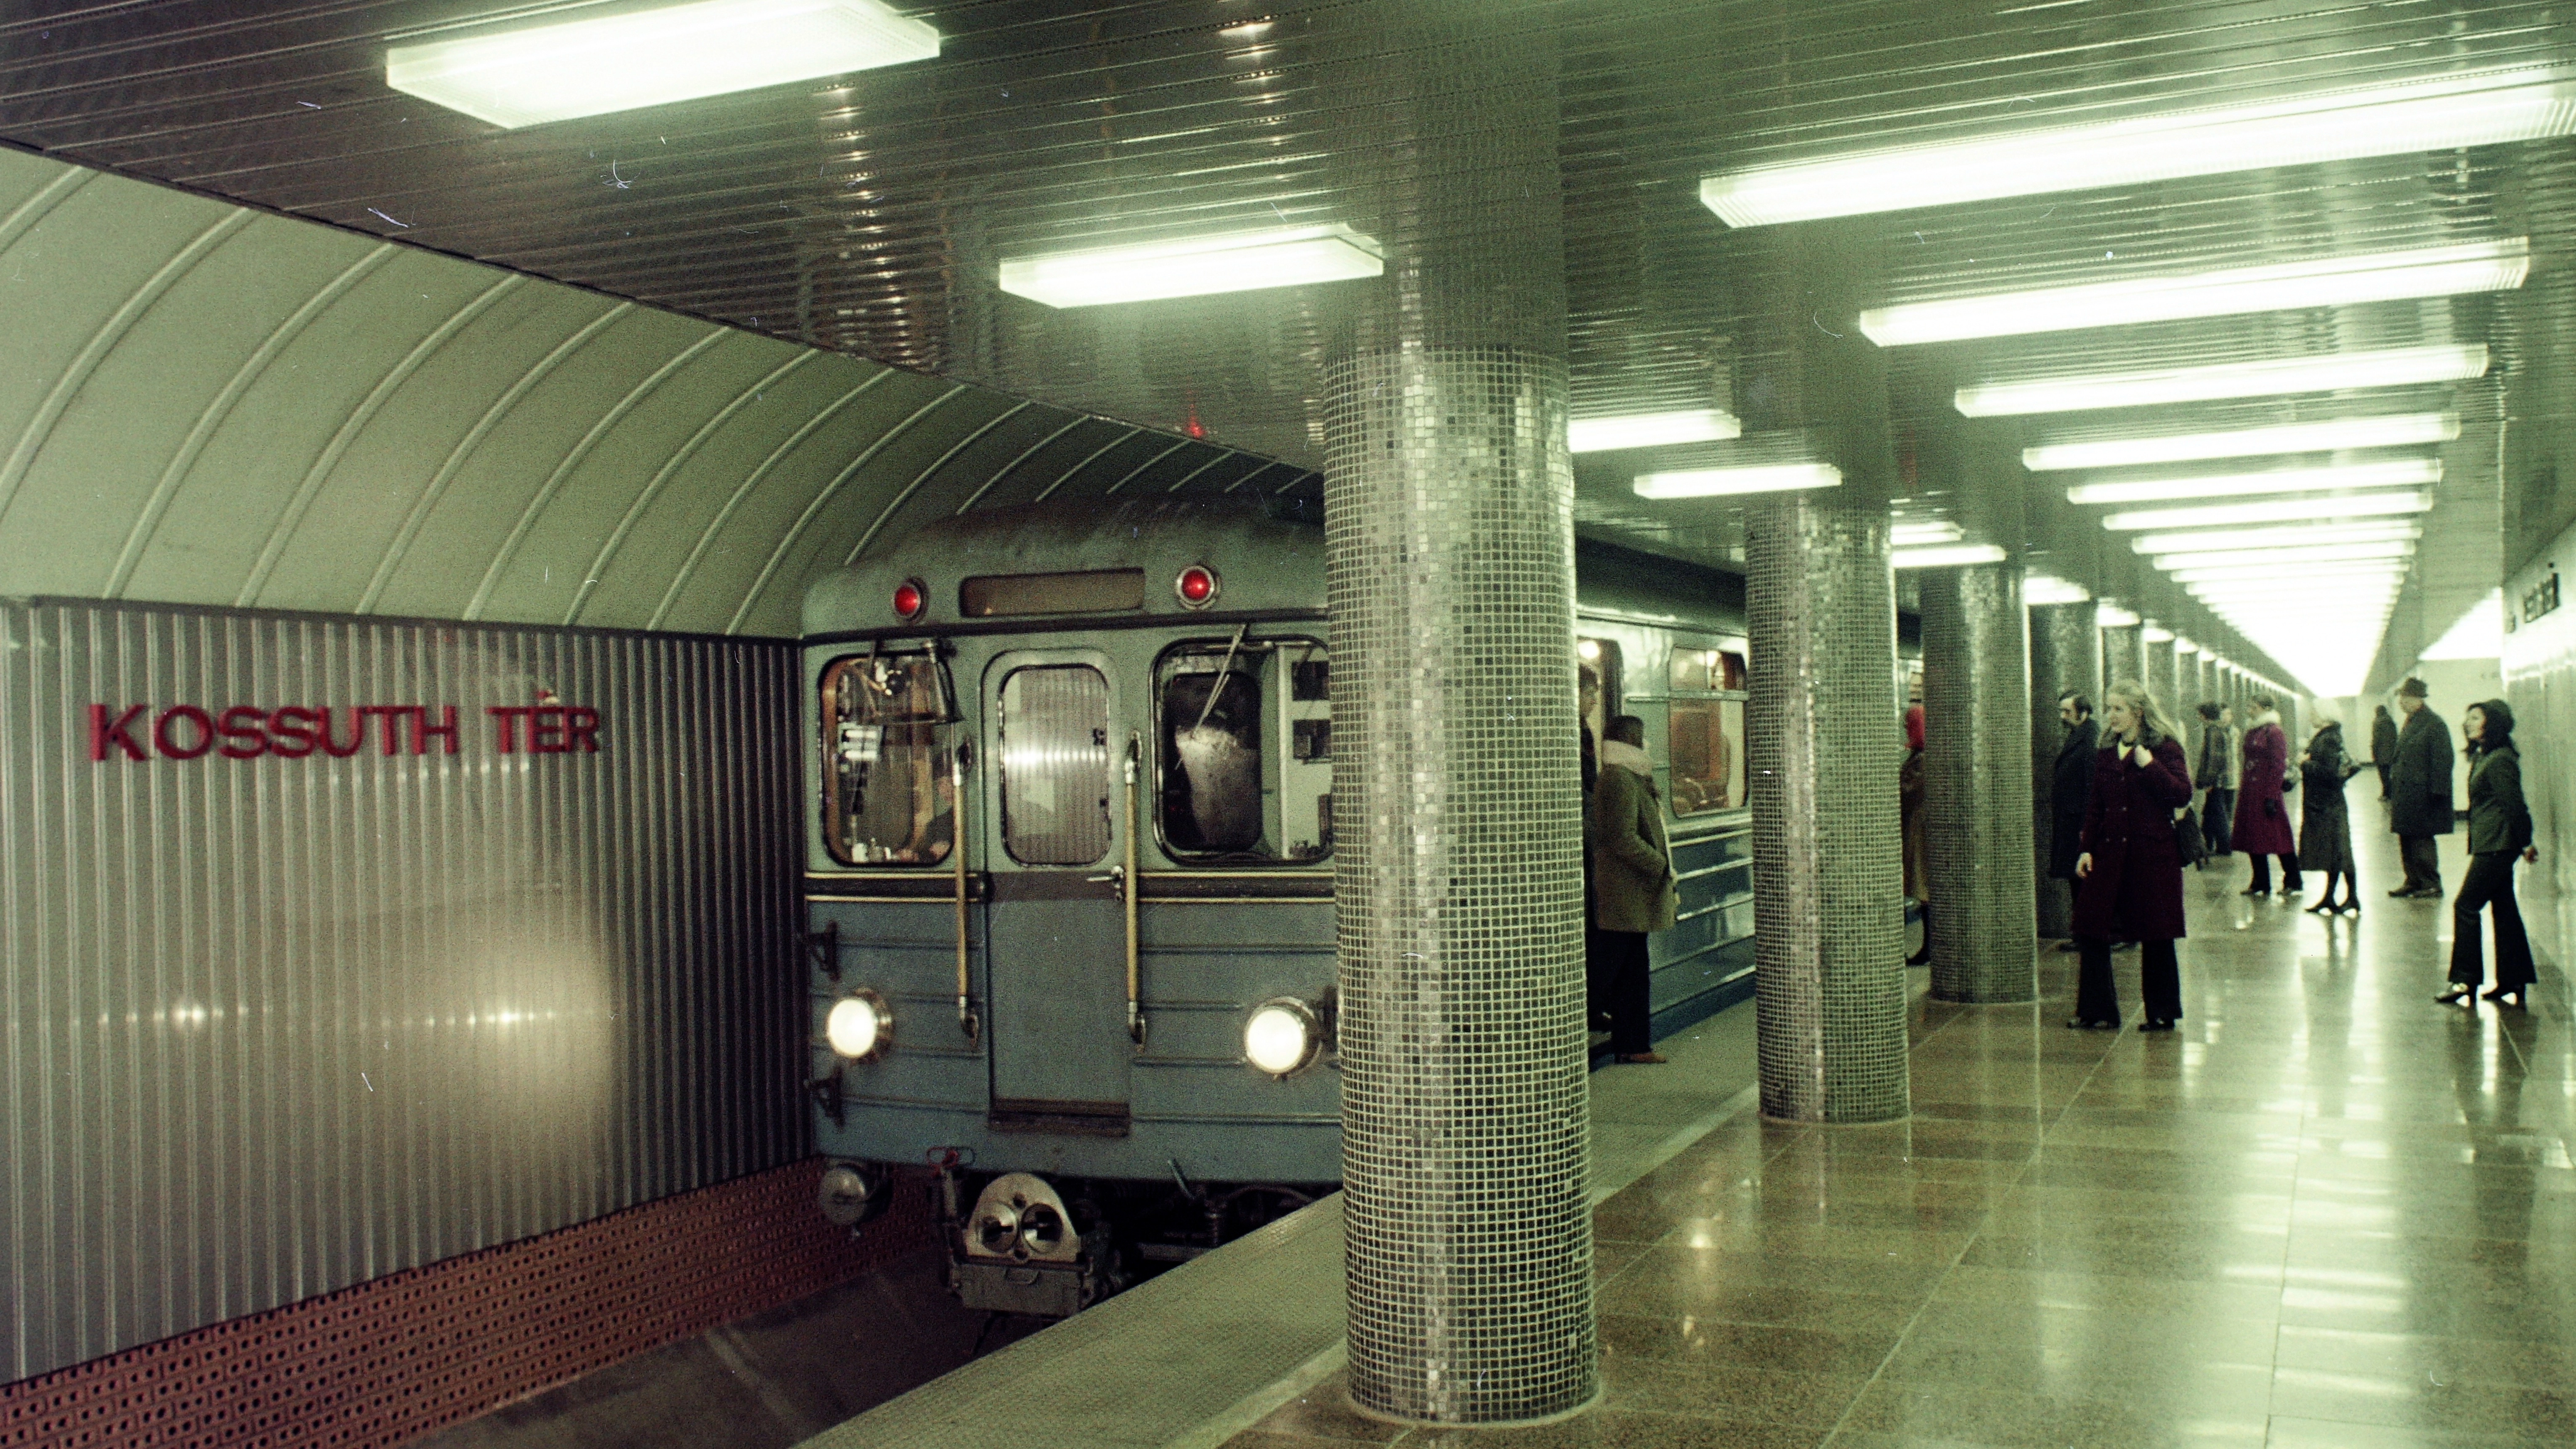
<point x="1244" y="750"/>
<point x="1704" y="735"/>
<point x="888" y="793"/>
<point x="1056" y="771"/>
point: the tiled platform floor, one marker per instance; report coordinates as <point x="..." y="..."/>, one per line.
<point x="2326" y="1212"/>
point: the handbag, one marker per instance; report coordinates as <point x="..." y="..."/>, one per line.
<point x="2188" y="842"/>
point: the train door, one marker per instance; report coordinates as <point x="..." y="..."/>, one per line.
<point x="1055" y="924"/>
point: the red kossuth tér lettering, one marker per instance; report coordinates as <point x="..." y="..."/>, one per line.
<point x="246" y="732"/>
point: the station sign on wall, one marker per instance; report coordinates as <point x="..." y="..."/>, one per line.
<point x="295" y="731"/>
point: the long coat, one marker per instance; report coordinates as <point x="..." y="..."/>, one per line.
<point x="2135" y="890"/>
<point x="1909" y="815"/>
<point x="1632" y="866"/>
<point x="2383" y="740"/>
<point x="2325" y="822"/>
<point x="2262" y="820"/>
<point x="2499" y="821"/>
<point x="2419" y="782"/>
<point x="2072" y="786"/>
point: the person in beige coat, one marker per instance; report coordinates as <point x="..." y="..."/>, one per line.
<point x="1634" y="893"/>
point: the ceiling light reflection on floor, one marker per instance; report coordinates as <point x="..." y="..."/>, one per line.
<point x="1248" y="261"/>
<point x="2468" y="267"/>
<point x="2479" y="108"/>
<point x="592" y="67"/>
<point x="2275" y="377"/>
<point x="1726" y="482"/>
<point x="1651" y="430"/>
<point x="2398" y="430"/>
<point x="2403" y="473"/>
<point x="2272" y="510"/>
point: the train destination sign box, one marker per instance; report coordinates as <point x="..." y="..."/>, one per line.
<point x="295" y="732"/>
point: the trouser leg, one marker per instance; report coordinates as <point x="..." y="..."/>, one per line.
<point x="1596" y="973"/>
<point x="2290" y="878"/>
<point x="2159" y="981"/>
<point x="1629" y="993"/>
<point x="2383" y="782"/>
<point x="2423" y="861"/>
<point x="2262" y="872"/>
<point x="2477" y="889"/>
<point x="2096" y="997"/>
<point x="2218" y="822"/>
<point x="2514" y="969"/>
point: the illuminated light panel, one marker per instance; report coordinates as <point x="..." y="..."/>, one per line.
<point x="2276" y="377"/>
<point x="2112" y="616"/>
<point x="1727" y="482"/>
<point x="2050" y="589"/>
<point x="2401" y="430"/>
<point x="2156" y="634"/>
<point x="2183" y="645"/>
<point x="2403" y="473"/>
<point x="1946" y="556"/>
<point x="541" y="73"/>
<point x="2475" y="109"/>
<point x="2320" y="576"/>
<point x="1651" y="430"/>
<point x="2272" y="510"/>
<point x="2491" y="266"/>
<point x="2219" y="540"/>
<point x="1915" y="535"/>
<point x="2275" y="560"/>
<point x="1243" y="261"/>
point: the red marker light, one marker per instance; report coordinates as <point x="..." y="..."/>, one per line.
<point x="1196" y="586"/>
<point x="908" y="600"/>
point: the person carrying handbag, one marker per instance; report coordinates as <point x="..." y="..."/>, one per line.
<point x="2130" y="874"/>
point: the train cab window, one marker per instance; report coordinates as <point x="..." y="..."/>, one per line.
<point x="1704" y="730"/>
<point x="1057" y="779"/>
<point x="1244" y="751"/>
<point x="888" y="789"/>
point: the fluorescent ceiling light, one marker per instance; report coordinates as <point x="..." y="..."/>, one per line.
<point x="542" y="73"/>
<point x="2272" y="510"/>
<point x="2489" y="266"/>
<point x="2328" y="597"/>
<point x="2404" y="473"/>
<point x="2399" y="430"/>
<point x="2320" y="577"/>
<point x="2478" y="635"/>
<point x="2050" y="589"/>
<point x="2476" y="109"/>
<point x="1243" y="261"/>
<point x="1946" y="556"/>
<point x="2155" y="633"/>
<point x="2276" y="560"/>
<point x="1724" y="482"/>
<point x="1903" y="534"/>
<point x="2112" y="616"/>
<point x="2328" y="372"/>
<point x="2183" y="645"/>
<point x="1651" y="430"/>
<point x="2296" y="535"/>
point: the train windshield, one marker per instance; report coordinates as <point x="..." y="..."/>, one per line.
<point x="889" y="789"/>
<point x="1244" y="755"/>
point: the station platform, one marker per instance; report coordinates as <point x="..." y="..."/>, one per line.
<point x="2325" y="1212"/>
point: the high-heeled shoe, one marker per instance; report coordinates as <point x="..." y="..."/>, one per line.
<point x="2453" y="997"/>
<point x="2322" y="908"/>
<point x="2503" y="997"/>
<point x="2255" y="891"/>
<point x="2352" y="907"/>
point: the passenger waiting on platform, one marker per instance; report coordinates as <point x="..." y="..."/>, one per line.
<point x="2215" y="776"/>
<point x="2070" y="787"/>
<point x="2499" y="830"/>
<point x="1909" y="807"/>
<point x="1596" y="1001"/>
<point x="2383" y="746"/>
<point x="2262" y="816"/>
<point x="1632" y="882"/>
<point x="2325" y="822"/>
<point x="2419" y="794"/>
<point x="2130" y="874"/>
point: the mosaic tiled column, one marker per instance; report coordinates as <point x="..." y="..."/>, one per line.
<point x="2160" y="674"/>
<point x="1457" y="802"/>
<point x="1828" y="880"/>
<point x="2065" y="654"/>
<point x="2124" y="654"/>
<point x="1977" y="784"/>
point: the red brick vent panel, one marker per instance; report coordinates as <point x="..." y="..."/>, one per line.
<point x="393" y="1358"/>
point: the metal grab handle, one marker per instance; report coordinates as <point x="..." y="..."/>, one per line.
<point x="967" y="1021"/>
<point x="1135" y="983"/>
<point x="1116" y="880"/>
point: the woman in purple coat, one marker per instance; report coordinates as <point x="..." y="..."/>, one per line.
<point x="2129" y="878"/>
<point x="2262" y="820"/>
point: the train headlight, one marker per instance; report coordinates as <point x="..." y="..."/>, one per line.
<point x="1281" y="1036"/>
<point x="859" y="1026"/>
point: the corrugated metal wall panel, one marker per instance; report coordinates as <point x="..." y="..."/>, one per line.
<point x="275" y="1026"/>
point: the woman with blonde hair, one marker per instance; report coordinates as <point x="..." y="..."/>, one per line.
<point x="2129" y="878"/>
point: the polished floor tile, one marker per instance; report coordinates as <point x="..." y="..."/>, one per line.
<point x="2326" y="1212"/>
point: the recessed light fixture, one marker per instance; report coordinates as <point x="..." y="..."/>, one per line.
<point x="2295" y="535"/>
<point x="539" y="73"/>
<point x="2155" y="633"/>
<point x="2404" y="473"/>
<point x="2112" y="616"/>
<point x="2275" y="561"/>
<point x="1243" y="261"/>
<point x="2328" y="372"/>
<point x="2050" y="589"/>
<point x="1724" y="482"/>
<point x="2395" y="431"/>
<point x="1945" y="556"/>
<point x="2272" y="510"/>
<point x="1651" y="430"/>
<point x="1906" y="533"/>
<point x="2491" y="266"/>
<point x="2183" y="645"/>
<point x="2476" y="109"/>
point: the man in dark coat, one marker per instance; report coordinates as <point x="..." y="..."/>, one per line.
<point x="2383" y="746"/>
<point x="2419" y="793"/>
<point x="2072" y="784"/>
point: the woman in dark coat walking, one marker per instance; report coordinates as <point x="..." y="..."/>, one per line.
<point x="2499" y="830"/>
<point x="2262" y="818"/>
<point x="2325" y="821"/>
<point x="2130" y="875"/>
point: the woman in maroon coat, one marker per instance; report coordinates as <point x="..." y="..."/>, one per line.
<point x="2262" y="820"/>
<point x="2129" y="878"/>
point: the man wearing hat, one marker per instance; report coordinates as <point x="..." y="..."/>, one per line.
<point x="2419" y="793"/>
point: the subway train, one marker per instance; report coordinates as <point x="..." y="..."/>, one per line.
<point x="1069" y="882"/>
